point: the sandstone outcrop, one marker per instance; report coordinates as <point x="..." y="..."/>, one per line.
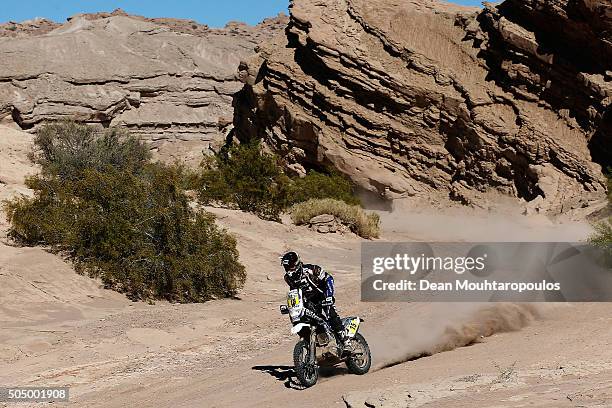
<point x="327" y="224"/>
<point x="167" y="80"/>
<point x="420" y="98"/>
<point x="36" y="26"/>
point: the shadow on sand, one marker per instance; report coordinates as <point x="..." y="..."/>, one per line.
<point x="286" y="374"/>
<point x="282" y="373"/>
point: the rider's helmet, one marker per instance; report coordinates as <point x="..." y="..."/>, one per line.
<point x="292" y="263"/>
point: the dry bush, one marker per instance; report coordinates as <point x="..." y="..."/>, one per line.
<point x="366" y="225"/>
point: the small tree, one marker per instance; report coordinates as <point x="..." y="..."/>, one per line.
<point x="124" y="220"/>
<point x="317" y="185"/>
<point x="246" y="177"/>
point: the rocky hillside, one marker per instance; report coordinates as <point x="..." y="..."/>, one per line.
<point x="420" y="98"/>
<point x="168" y="80"/>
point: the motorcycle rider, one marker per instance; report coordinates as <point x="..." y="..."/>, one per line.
<point x="317" y="287"/>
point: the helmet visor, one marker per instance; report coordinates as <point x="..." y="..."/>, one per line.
<point x="291" y="262"/>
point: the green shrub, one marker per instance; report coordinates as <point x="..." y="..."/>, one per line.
<point x="68" y="148"/>
<point x="246" y="177"/>
<point x="366" y="225"/>
<point x="319" y="185"/>
<point x="131" y="226"/>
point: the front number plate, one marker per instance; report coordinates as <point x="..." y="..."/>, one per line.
<point x="293" y="299"/>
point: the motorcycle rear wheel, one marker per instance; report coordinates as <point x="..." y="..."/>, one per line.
<point x="360" y="363"/>
<point x="307" y="373"/>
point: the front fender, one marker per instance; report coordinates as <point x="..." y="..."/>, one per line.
<point x="298" y="327"/>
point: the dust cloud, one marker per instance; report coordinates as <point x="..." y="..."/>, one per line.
<point x="422" y="329"/>
<point x="469" y="225"/>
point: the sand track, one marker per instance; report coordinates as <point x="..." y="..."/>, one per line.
<point x="60" y="328"/>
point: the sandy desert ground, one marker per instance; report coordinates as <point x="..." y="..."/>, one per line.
<point x="59" y="328"/>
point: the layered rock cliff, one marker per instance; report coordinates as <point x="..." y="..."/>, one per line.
<point x="420" y="98"/>
<point x="170" y="81"/>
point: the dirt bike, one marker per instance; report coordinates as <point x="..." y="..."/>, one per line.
<point x="319" y="346"/>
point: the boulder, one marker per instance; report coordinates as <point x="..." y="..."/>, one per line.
<point x="327" y="223"/>
<point x="322" y="219"/>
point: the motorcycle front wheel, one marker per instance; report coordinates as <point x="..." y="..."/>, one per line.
<point x="307" y="373"/>
<point x="360" y="360"/>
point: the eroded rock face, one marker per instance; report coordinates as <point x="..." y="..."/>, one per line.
<point x="167" y="80"/>
<point x="559" y="54"/>
<point x="416" y="98"/>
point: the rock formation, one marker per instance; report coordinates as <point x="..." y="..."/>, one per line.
<point x="37" y="26"/>
<point x="170" y="81"/>
<point x="327" y="223"/>
<point x="419" y="98"/>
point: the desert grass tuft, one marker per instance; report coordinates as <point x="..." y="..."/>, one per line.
<point x="362" y="223"/>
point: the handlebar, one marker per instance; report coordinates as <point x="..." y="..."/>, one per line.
<point x="309" y="313"/>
